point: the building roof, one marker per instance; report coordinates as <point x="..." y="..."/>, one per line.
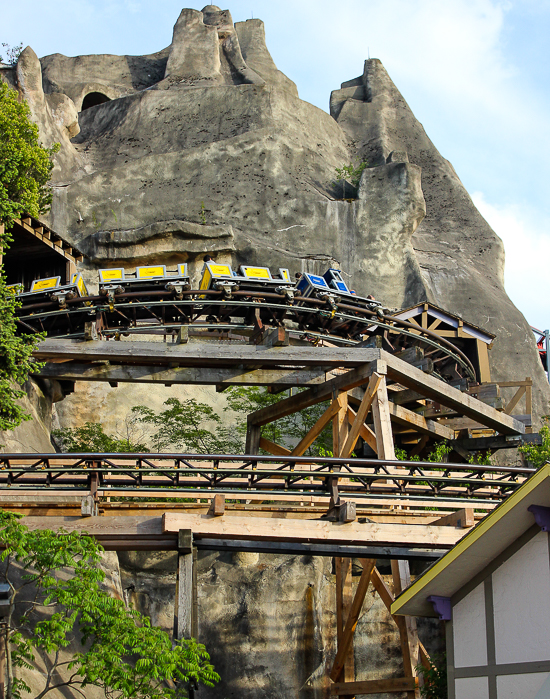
<point x="481" y="545"/>
<point x="447" y="318"/>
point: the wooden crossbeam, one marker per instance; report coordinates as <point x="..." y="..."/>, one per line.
<point x="388" y="598"/>
<point x="365" y="431"/>
<point x="403" y="416"/>
<point x="437" y="390"/>
<point x="366" y="403"/>
<point x="353" y="618"/>
<point x="317" y="394"/>
<point x="273" y="448"/>
<point x="395" y="684"/>
<point x="203" y="354"/>
<point x="223" y="377"/>
<point x="316" y="430"/>
<point x="261" y="529"/>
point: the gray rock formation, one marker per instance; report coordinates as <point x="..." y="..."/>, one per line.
<point x="209" y="128"/>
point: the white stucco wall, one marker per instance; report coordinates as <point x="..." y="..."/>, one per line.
<point x="470" y="637"/>
<point x="472" y="688"/>
<point x="531" y="686"/>
<point x="521" y="599"/>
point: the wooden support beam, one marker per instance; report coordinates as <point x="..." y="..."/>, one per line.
<point x="433" y="388"/>
<point x="403" y="416"/>
<point x="318" y="394"/>
<point x="352" y="619"/>
<point x="340" y="424"/>
<point x="395" y="684"/>
<point x="222" y="377"/>
<point x="277" y="337"/>
<point x="388" y="598"/>
<point x="366" y="434"/>
<point x="265" y="529"/>
<point x="462" y="519"/>
<point x="273" y="448"/>
<point x="184" y="585"/>
<point x="317" y="428"/>
<point x="382" y="423"/>
<point x="217" y="505"/>
<point x="204" y="354"/>
<point x="366" y="403"/>
<point x="408" y="633"/>
<point x="253" y="438"/>
<point x="344" y="599"/>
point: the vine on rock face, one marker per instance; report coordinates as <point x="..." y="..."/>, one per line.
<point x="57" y="603"/>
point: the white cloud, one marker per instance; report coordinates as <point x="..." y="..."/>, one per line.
<point x="527" y="245"/>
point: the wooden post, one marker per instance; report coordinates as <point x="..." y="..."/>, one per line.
<point x="253" y="436"/>
<point x="382" y="423"/>
<point x="184" y="586"/>
<point x="407" y="625"/>
<point x="344" y="598"/>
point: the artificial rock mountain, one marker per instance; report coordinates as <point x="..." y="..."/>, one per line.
<point x="208" y="127"/>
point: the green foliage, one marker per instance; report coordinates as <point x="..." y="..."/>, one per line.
<point x="58" y="601"/>
<point x="539" y="455"/>
<point x="25" y="166"/>
<point x="288" y="430"/>
<point x="91" y="437"/>
<point x="481" y="458"/>
<point x="437" y="455"/>
<point x="12" y="53"/>
<point x="15" y="361"/>
<point x="435" y="679"/>
<point x="181" y="426"/>
<point x="351" y="173"/>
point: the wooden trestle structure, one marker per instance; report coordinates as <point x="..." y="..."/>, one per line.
<point x="365" y="508"/>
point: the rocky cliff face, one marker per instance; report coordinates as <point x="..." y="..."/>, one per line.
<point x="208" y="131"/>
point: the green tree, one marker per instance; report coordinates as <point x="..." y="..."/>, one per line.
<point x="25" y="165"/>
<point x="181" y="426"/>
<point x="12" y="53"/>
<point x="286" y="431"/>
<point x="91" y="437"/>
<point x="58" y="604"/>
<point x="25" y="168"/>
<point x="16" y="361"/>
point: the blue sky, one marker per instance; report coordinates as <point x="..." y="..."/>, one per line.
<point x="475" y="72"/>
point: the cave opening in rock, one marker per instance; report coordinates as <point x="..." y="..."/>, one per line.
<point x="92" y="99"/>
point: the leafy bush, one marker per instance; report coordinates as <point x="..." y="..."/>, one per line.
<point x="435" y="678"/>
<point x="538" y="455"/>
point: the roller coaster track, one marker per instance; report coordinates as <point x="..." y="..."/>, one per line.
<point x="242" y="312"/>
<point x="238" y="476"/>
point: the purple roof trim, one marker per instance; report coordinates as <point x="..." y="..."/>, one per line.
<point x="442" y="606"/>
<point x="542" y="516"/>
